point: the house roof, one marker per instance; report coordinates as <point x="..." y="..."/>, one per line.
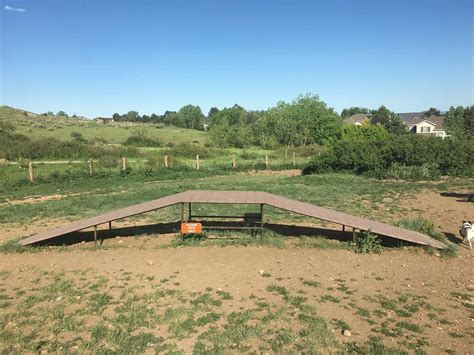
<point x="408" y="116"/>
<point x="437" y="121"/>
<point x="358" y="117"/>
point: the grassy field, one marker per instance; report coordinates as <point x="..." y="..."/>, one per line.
<point x="33" y="125"/>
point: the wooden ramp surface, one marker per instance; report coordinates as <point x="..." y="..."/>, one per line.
<point x="243" y="197"/>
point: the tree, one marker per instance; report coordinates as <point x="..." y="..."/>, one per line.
<point x="347" y="112"/>
<point x="306" y="120"/>
<point x="455" y="122"/>
<point x="132" y="116"/>
<point x="469" y="121"/>
<point x="363" y="133"/>
<point x="389" y="120"/>
<point x="62" y="114"/>
<point x="431" y="112"/>
<point x="117" y="117"/>
<point x="190" y="116"/>
<point x="212" y="112"/>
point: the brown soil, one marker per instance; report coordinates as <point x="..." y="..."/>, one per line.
<point x="236" y="270"/>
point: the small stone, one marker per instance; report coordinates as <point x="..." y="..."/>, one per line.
<point x="437" y="254"/>
<point x="59" y="298"/>
<point x="261" y="272"/>
<point x="120" y="241"/>
<point x="346" y="333"/>
<point x="78" y="298"/>
<point x="150" y="262"/>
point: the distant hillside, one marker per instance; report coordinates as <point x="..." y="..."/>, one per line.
<point x="34" y="125"/>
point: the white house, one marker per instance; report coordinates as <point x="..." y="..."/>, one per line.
<point x="432" y="125"/>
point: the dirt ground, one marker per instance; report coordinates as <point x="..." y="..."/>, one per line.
<point x="370" y="293"/>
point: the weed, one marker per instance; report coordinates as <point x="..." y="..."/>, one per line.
<point x="368" y="243"/>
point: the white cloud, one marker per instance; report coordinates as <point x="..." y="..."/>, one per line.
<point x="17" y="9"/>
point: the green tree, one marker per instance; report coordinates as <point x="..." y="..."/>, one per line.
<point x="432" y="111"/>
<point x="190" y="116"/>
<point x="389" y="120"/>
<point x="62" y="114"/>
<point x="363" y="133"/>
<point x="132" y="116"/>
<point x="455" y="122"/>
<point x="347" y="112"/>
<point x="469" y="121"/>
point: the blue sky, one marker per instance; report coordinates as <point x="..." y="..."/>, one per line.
<point x="98" y="57"/>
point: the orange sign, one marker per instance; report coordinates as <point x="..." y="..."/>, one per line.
<point x="187" y="228"/>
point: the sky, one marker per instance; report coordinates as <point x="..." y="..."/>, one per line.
<point x="98" y="57"/>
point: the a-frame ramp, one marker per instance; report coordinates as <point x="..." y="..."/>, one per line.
<point x="243" y="197"/>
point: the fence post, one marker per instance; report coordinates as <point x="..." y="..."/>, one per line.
<point x="294" y="159"/>
<point x="233" y="162"/>
<point x="30" y="171"/>
<point x="90" y="162"/>
<point x="166" y="161"/>
<point x="266" y="160"/>
<point x="197" y="162"/>
<point x="124" y="163"/>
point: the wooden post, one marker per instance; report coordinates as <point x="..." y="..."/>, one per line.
<point x="95" y="235"/>
<point x="30" y="171"/>
<point x="166" y="161"/>
<point x="124" y="163"/>
<point x="294" y="159"/>
<point x="266" y="160"/>
<point x="182" y="219"/>
<point x="90" y="162"/>
<point x="110" y="225"/>
<point x="233" y="162"/>
<point x="190" y="216"/>
<point x="197" y="162"/>
<point x="261" y="218"/>
<point x="343" y="228"/>
<point x="353" y="234"/>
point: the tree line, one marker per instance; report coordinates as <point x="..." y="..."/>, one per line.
<point x="305" y="120"/>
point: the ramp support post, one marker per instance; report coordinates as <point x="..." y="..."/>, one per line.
<point x="182" y="219"/>
<point x="343" y="228"/>
<point x="353" y="234"/>
<point x="261" y="218"/>
<point x="95" y="236"/>
<point x="190" y="216"/>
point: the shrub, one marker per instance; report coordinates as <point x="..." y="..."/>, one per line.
<point x="406" y="156"/>
<point x="421" y="225"/>
<point x="368" y="243"/>
<point x="77" y="136"/>
<point x="142" y="140"/>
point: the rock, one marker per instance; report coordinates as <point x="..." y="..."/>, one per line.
<point x="59" y="298"/>
<point x="261" y="272"/>
<point x="150" y="262"/>
<point x="78" y="298"/>
<point x="346" y="333"/>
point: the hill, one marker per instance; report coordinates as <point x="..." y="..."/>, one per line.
<point x="35" y="126"/>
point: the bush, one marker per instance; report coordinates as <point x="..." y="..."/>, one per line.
<point x="142" y="140"/>
<point x="368" y="243"/>
<point x="407" y="156"/>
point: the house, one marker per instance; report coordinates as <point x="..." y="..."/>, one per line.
<point x="432" y="126"/>
<point x="357" y="119"/>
